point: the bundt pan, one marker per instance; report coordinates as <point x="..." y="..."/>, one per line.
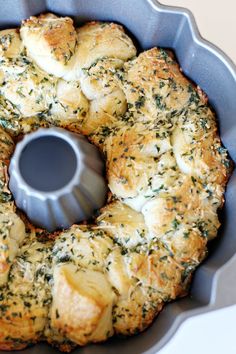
<point x="214" y="283"/>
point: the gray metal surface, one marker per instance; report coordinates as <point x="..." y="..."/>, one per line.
<point x="214" y="284"/>
<point x="57" y="178"/>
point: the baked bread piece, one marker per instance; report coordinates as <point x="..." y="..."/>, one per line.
<point x="70" y="106"/>
<point x="166" y="170"/>
<point x="98" y="40"/>
<point x="30" y="91"/>
<point x="26" y="297"/>
<point x="167" y="118"/>
<point x="50" y="41"/>
<point x="10" y="43"/>
<point x="102" y="48"/>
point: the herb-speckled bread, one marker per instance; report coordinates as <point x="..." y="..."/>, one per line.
<point x="166" y="171"/>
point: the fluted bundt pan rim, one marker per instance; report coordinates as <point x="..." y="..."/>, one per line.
<point x="176" y="28"/>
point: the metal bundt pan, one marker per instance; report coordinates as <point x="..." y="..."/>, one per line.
<point x="214" y="283"/>
<point x="78" y="190"/>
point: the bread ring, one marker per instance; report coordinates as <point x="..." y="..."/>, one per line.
<point x="166" y="170"/>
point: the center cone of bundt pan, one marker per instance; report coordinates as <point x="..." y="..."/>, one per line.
<point x="56" y="178"/>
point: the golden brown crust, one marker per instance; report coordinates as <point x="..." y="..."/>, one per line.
<point x="98" y="40"/>
<point x="50" y="41"/>
<point x="153" y="83"/>
<point x="12" y="346"/>
<point x="57" y="34"/>
<point x="88" y="292"/>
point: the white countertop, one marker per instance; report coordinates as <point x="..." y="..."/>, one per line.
<point x="211" y="333"/>
<point x="214" y="332"/>
<point x="216" y="20"/>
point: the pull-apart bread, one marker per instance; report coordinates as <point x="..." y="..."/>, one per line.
<point x="166" y="171"/>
